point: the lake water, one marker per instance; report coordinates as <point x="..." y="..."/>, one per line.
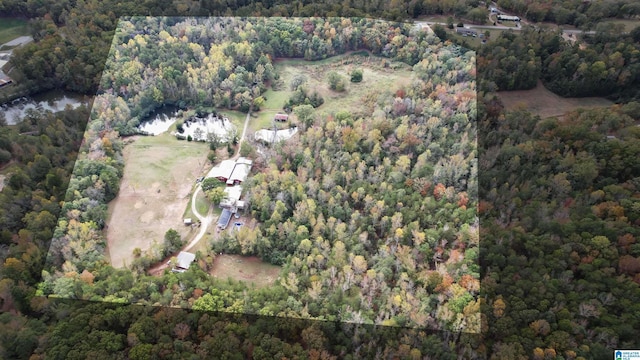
<point x="159" y="121"/>
<point x="54" y="101"/>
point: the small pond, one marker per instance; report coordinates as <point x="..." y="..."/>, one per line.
<point x="159" y="121"/>
<point x="54" y="101"/>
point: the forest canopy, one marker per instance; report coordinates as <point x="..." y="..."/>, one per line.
<point x="558" y="210"/>
<point x="375" y="213"/>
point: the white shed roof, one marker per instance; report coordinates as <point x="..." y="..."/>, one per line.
<point x="240" y="172"/>
<point x="185" y="259"/>
<point x="233" y="194"/>
<point x="224" y="169"/>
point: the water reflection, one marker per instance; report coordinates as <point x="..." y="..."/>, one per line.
<point x="199" y="128"/>
<point x="159" y="122"/>
<point x="53" y="101"/>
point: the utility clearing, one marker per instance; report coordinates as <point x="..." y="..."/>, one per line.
<point x="545" y="104"/>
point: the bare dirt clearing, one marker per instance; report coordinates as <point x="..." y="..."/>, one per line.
<point x="544" y="103"/>
<point x="158" y="177"/>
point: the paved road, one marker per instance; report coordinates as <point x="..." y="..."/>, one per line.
<point x="497" y="27"/>
<point x="5" y="55"/>
<point x="19" y="41"/>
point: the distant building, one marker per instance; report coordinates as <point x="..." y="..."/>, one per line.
<point x="184" y="261"/>
<point x="188" y="221"/>
<point x="508" y="18"/>
<point x="281" y="117"/>
<point x="494" y="10"/>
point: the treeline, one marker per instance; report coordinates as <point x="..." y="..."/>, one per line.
<point x="72" y="42"/>
<point x="583" y="14"/>
<point x="135" y="332"/>
<point x="42" y="152"/>
<point x="609" y="65"/>
<point x="224" y="63"/>
<point x="579" y="13"/>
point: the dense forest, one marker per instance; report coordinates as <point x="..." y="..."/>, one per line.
<point x="609" y="66"/>
<point x="73" y="42"/>
<point x="558" y="209"/>
<point x="374" y="259"/>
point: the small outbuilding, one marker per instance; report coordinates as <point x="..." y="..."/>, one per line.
<point x="184" y="261"/>
<point x="281" y="117"/>
<point x="224" y="219"/>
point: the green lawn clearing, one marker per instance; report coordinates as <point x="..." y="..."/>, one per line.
<point x="11" y="29"/>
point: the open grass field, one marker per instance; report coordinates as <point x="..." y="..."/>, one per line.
<point x="249" y="269"/>
<point x="544" y="103"/>
<point x="261" y="120"/>
<point x="11" y="29"/>
<point x="275" y="99"/>
<point x="158" y="178"/>
<point x="236" y="118"/>
<point x="376" y="79"/>
<point x="470" y="41"/>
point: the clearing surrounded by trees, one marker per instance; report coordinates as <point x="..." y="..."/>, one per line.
<point x="544" y="103"/>
<point x="370" y="211"/>
<point x="249" y="269"/>
<point x="159" y="174"/>
<point x="379" y="74"/>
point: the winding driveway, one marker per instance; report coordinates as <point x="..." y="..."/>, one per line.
<point x="205" y="221"/>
